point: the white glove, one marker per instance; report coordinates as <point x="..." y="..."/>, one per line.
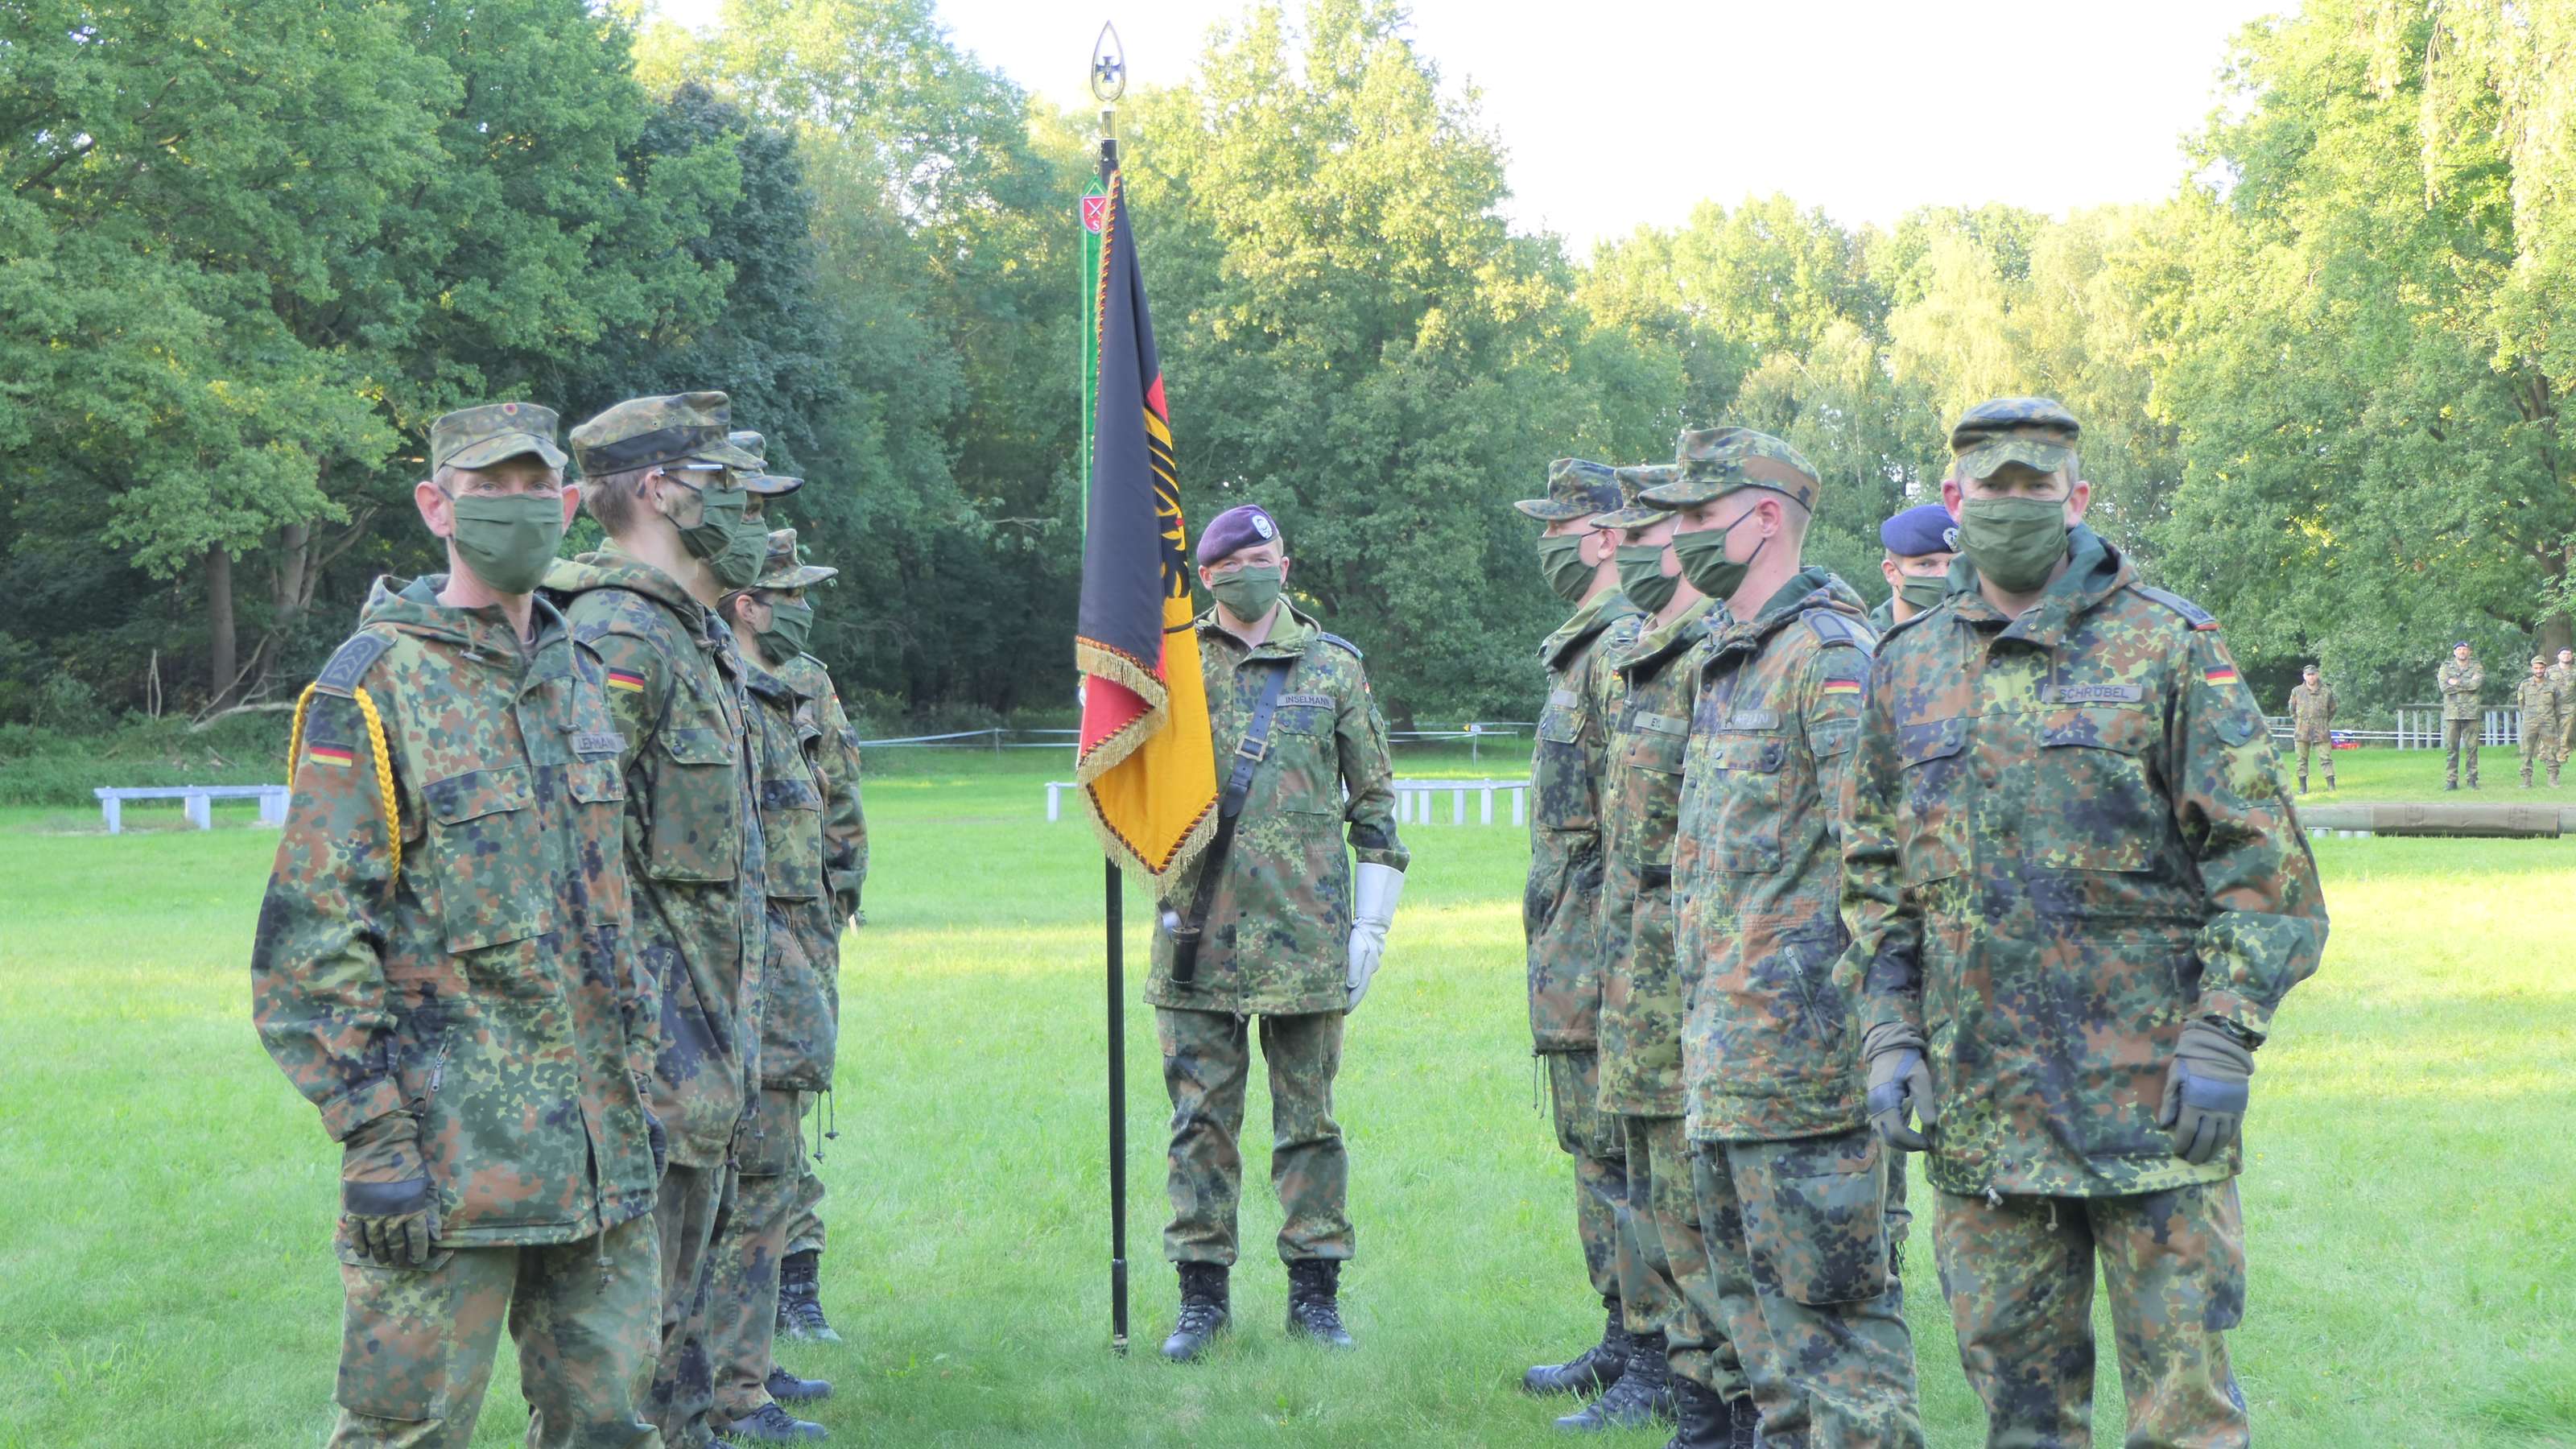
<point x="1378" y="888"/>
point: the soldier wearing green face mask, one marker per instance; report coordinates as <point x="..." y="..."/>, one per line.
<point x="445" y="967"/>
<point x="1921" y="543"/>
<point x="1286" y="930"/>
<point x="662" y="479"/>
<point x="1561" y="909"/>
<point x="800" y="994"/>
<point x="2077" y="895"/>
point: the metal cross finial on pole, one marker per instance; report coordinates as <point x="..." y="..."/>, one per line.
<point x="1108" y="83"/>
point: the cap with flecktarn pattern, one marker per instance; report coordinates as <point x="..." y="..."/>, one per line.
<point x="643" y="431"/>
<point x="1576" y="488"/>
<point x="783" y="567"/>
<point x="2036" y="432"/>
<point x="761" y="480"/>
<point x="1714" y="462"/>
<point x="479" y="437"/>
<point x="1633" y="510"/>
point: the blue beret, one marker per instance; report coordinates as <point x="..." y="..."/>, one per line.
<point x="1231" y="532"/>
<point x="1927" y="528"/>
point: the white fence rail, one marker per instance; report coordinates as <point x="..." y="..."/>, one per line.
<point x="1417" y="802"/>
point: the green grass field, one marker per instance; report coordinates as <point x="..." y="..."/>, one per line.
<point x="167" y="1199"/>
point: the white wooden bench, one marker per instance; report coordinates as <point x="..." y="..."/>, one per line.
<point x="197" y="800"/>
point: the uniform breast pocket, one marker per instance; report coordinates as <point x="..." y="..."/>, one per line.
<point x="1563" y="795"/>
<point x="1658" y="747"/>
<point x="1749" y="795"/>
<point x="791" y="824"/>
<point x="1303" y="758"/>
<point x="695" y="832"/>
<point x="1932" y="813"/>
<point x="2096" y="807"/>
<point x="494" y="865"/>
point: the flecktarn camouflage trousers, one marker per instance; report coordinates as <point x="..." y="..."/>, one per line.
<point x="742" y="1303"/>
<point x="417" y="1343"/>
<point x="691" y="1206"/>
<point x="2019" y="1277"/>
<point x="1207" y="1060"/>
<point x="1664" y="1203"/>
<point x="1600" y="1151"/>
<point x="1802" y="1278"/>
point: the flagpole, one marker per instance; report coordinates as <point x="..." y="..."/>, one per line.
<point x="1108" y="81"/>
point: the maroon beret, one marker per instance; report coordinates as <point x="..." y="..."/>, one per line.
<point x="1233" y="531"/>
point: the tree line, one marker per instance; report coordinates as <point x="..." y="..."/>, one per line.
<point x="248" y="251"/>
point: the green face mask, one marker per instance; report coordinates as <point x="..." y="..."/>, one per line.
<point x="789" y="626"/>
<point x="732" y="545"/>
<point x="1704" y="562"/>
<point x="1921" y="594"/>
<point x="1642" y="577"/>
<point x="1560" y="561"/>
<point x="1249" y="592"/>
<point x="506" y="540"/>
<point x="2013" y="542"/>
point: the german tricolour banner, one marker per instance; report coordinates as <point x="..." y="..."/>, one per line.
<point x="1147" y="769"/>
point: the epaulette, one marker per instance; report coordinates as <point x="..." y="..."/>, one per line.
<point x="2193" y="614"/>
<point x="350" y="663"/>
<point x="1344" y="643"/>
<point x="1832" y="626"/>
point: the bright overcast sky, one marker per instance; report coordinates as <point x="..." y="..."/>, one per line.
<point x="1621" y="112"/>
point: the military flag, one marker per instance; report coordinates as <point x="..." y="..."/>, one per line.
<point x="1146" y="765"/>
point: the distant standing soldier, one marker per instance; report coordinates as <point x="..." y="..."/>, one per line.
<point x="2562" y="675"/>
<point x="1789" y="1182"/>
<point x="2312" y="712"/>
<point x="2537" y="696"/>
<point x="2460" y="680"/>
<point x="1284" y="930"/>
<point x="1648" y="703"/>
<point x="442" y="967"/>
<point x="1561" y="910"/>
<point x="799" y="986"/>
<point x="2078" y="896"/>
<point x="845" y="866"/>
<point x="660" y="477"/>
<point x="1919" y="544"/>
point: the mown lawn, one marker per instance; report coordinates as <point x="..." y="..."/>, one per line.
<point x="166" y="1199"/>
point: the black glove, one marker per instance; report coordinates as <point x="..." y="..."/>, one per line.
<point x="385" y="1193"/>
<point x="2206" y="1091"/>
<point x="1899" y="1082"/>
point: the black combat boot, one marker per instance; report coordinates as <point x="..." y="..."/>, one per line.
<point x="786" y="1388"/>
<point x="1701" y="1420"/>
<point x="1313" y="1309"/>
<point x="1203" y="1314"/>
<point x="1591" y="1371"/>
<point x="770" y="1425"/>
<point x="800" y="1298"/>
<point x="1643" y="1395"/>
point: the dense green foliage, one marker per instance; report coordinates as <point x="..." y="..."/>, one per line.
<point x="246" y="255"/>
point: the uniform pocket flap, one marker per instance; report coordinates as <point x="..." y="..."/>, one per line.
<point x="694" y="746"/>
<point x="2125" y="730"/>
<point x="478" y="793"/>
<point x="1933" y="739"/>
<point x="789" y="795"/>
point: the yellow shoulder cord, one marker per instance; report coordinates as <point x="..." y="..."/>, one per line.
<point x="384" y="767"/>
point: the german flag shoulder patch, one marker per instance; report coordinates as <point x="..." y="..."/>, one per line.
<point x="626" y="679"/>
